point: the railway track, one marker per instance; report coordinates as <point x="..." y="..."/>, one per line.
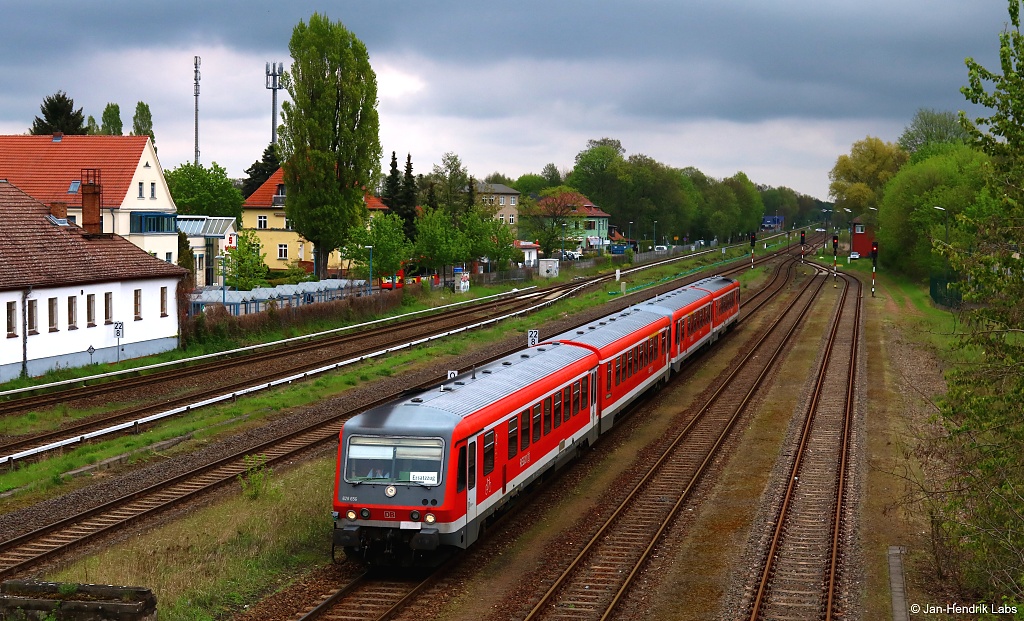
<point x="24" y="552"/>
<point x="799" y="575"/>
<point x="593" y="583"/>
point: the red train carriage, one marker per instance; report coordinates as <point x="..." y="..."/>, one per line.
<point x="698" y="312"/>
<point x="632" y="347"/>
<point x="425" y="472"/>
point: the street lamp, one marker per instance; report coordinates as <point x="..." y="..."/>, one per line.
<point x="655" y="235"/>
<point x="370" y="248"/>
<point x="943" y="210"/>
<point x="562" y="257"/>
<point x="629" y="235"/>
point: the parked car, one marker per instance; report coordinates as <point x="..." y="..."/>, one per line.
<point x="660" y="248"/>
<point x="819" y="230"/>
<point x="854" y="255"/>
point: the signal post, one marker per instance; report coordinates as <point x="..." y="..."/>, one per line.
<point x="802" y="247"/>
<point x="835" y="261"/>
<point x="874" y="265"/>
<point x="753" y="240"/>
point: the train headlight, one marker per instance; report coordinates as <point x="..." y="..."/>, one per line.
<point x="430" y="519"/>
<point x="390" y="491"/>
<point x="414" y="515"/>
<point x="364" y="513"/>
<point x="351" y="514"/>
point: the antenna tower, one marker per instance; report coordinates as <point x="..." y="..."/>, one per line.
<point x="198" y="62"/>
<point x="274" y="73"/>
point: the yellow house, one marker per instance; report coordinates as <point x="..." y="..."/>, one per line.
<point x="263" y="213"/>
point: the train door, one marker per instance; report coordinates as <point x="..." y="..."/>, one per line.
<point x="471" y="470"/>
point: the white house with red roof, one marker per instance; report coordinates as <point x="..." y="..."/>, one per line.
<point x="73" y="295"/>
<point x="135" y="202"/>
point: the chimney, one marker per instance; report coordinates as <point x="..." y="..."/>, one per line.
<point x="59" y="210"/>
<point x="92" y="192"/>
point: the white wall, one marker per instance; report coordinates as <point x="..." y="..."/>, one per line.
<point x="66" y="346"/>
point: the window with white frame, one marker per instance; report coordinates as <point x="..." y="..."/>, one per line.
<point x="858" y="228"/>
<point x="52" y="313"/>
<point x="261" y="222"/>
<point x="142" y="189"/>
<point x="501" y="200"/>
<point x="501" y="218"/>
<point x="163" y="301"/>
<point x="138" y="304"/>
<point x="512" y="200"/>
<point x="33" y="317"/>
<point x="108" y="307"/>
<point x="511" y="219"/>
<point x="152" y="189"/>
<point x="90" y="310"/>
<point x="72" y="312"/>
<point x="12" y="319"/>
<point x="282" y="251"/>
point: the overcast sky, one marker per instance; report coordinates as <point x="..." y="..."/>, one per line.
<point x="774" y="88"/>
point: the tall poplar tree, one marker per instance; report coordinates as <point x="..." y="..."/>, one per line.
<point x="330" y="139"/>
<point x="110" y="122"/>
<point x="142" y="122"/>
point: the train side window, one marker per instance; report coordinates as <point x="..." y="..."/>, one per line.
<point x="585" y="392"/>
<point x="524" y="430"/>
<point x="575" y="398"/>
<point x="609" y="377"/>
<point x="513" y="436"/>
<point x="618" y="371"/>
<point x="460" y="478"/>
<point x="558" y="409"/>
<point x="629" y="364"/>
<point x="643" y="355"/>
<point x="567" y="402"/>
<point x="471" y="466"/>
<point x="488" y="453"/>
<point x="547" y="415"/>
<point x="536" y="423"/>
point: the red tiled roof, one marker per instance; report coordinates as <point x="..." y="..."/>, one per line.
<point x="35" y="252"/>
<point x="264" y="195"/>
<point x="585" y="208"/>
<point x="44" y="168"/>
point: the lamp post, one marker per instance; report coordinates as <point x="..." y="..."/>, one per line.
<point x="655" y="235"/>
<point x="370" y="248"/>
<point x="943" y="210"/>
<point x="629" y="235"/>
<point x="223" y="279"/>
<point x="562" y="257"/>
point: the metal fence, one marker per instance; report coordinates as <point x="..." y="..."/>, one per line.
<point x="281" y="296"/>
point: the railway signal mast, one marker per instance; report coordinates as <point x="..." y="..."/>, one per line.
<point x="874" y="265"/>
<point x="803" y="240"/>
<point x="753" y="240"/>
<point x="835" y="261"/>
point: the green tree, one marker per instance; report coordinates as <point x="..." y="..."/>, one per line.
<point x="204" y="191"/>
<point x="553" y="218"/>
<point x="552" y="175"/>
<point x="907" y="218"/>
<point x="111" y="121"/>
<point x="408" y="197"/>
<point x="931" y="126"/>
<point x="59" y="115"/>
<point x="91" y="127"/>
<point x="142" y="122"/>
<point x="438" y="243"/>
<point x="982" y="513"/>
<point x="392" y="185"/>
<point x="498" y="245"/>
<point x="530" y="183"/>
<point x="858" y="179"/>
<point x="596" y="173"/>
<point x="330" y="136"/>
<point x="391" y="248"/>
<point x="260" y="171"/>
<point x="496" y="178"/>
<point x="187" y="260"/>
<point x="450" y="182"/>
<point x="245" y="266"/>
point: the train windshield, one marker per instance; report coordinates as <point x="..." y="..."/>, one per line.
<point x="417" y="461"/>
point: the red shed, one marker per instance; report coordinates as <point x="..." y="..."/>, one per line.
<point x="863" y="235"/>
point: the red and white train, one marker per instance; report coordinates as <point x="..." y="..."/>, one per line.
<point x="422" y="474"/>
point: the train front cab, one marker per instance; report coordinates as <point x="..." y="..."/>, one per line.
<point x="460" y="455"/>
